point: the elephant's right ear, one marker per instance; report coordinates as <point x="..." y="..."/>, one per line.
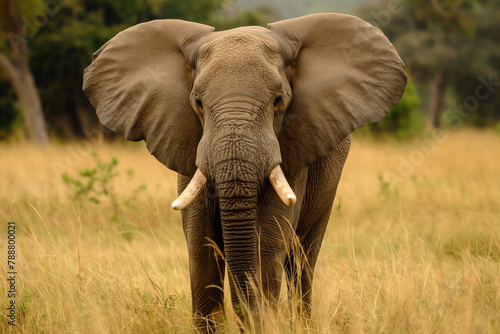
<point x="140" y="81"/>
<point x="345" y="74"/>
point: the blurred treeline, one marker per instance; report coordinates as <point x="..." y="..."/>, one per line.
<point x="451" y="49"/>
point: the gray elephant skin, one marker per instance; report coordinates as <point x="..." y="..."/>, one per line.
<point x="256" y="122"/>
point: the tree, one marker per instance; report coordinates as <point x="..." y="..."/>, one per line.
<point x="15" y="69"/>
<point x="430" y="56"/>
<point x="475" y="78"/>
<point x="429" y="36"/>
<point x="432" y="49"/>
<point x="59" y="54"/>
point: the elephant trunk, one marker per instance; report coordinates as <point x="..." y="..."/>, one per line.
<point x="238" y="179"/>
<point x="238" y="209"/>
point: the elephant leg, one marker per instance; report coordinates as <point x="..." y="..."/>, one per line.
<point x="301" y="262"/>
<point x="271" y="274"/>
<point x="203" y="233"/>
<point x="277" y="227"/>
<point x="207" y="282"/>
<point x="322" y="180"/>
<point x="292" y="278"/>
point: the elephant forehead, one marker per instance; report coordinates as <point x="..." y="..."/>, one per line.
<point x="238" y="55"/>
<point x="239" y="48"/>
<point x="231" y="40"/>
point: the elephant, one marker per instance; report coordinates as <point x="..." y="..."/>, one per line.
<point x="257" y="123"/>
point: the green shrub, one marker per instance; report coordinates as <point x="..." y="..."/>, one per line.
<point x="404" y="120"/>
<point x="497" y="127"/>
<point x="95" y="184"/>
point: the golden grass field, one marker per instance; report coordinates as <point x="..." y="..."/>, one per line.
<point x="414" y="253"/>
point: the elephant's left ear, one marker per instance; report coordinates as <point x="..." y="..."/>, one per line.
<point x="345" y="75"/>
<point x="140" y="81"/>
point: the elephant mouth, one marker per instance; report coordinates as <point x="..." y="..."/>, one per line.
<point x="199" y="181"/>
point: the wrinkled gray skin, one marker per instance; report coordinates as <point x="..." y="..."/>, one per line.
<point x="235" y="104"/>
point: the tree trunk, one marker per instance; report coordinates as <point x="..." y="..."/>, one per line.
<point x="436" y="102"/>
<point x="29" y="99"/>
<point x="16" y="70"/>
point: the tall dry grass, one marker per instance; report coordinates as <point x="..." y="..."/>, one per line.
<point x="413" y="244"/>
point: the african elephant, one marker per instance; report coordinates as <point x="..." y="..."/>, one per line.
<point x="256" y="122"/>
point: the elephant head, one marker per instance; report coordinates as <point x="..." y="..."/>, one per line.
<point x="241" y="106"/>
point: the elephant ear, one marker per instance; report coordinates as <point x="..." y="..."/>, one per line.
<point x="345" y="75"/>
<point x="139" y="82"/>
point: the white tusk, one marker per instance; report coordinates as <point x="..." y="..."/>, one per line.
<point x="280" y="184"/>
<point x="192" y="190"/>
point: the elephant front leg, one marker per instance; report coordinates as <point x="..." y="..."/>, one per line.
<point x="299" y="267"/>
<point x="277" y="226"/>
<point x="322" y="180"/>
<point x="207" y="281"/>
<point x="274" y="246"/>
<point x="206" y="265"/>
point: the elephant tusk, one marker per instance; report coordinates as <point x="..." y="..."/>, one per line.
<point x="280" y="184"/>
<point x="193" y="189"/>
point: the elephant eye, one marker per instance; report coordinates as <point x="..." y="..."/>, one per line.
<point x="278" y="99"/>
<point x="198" y="102"/>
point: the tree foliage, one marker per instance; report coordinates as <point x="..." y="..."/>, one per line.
<point x="446" y="45"/>
<point x="480" y="63"/>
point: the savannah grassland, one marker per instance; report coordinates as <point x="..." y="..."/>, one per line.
<point x="415" y="254"/>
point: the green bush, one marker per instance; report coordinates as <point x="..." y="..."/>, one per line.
<point x="404" y="120"/>
<point x="497" y="127"/>
<point x="95" y="184"/>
